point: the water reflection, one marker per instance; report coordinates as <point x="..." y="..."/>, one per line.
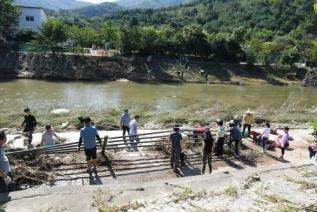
<point x="45" y="96"/>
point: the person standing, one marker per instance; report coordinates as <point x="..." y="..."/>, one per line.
<point x="207" y="150"/>
<point x="5" y="169"/>
<point x="312" y="149"/>
<point x="88" y="135"/>
<point x="284" y="142"/>
<point x="175" y="139"/>
<point x="247" y="120"/>
<point x="47" y="136"/>
<point x="124" y="123"/>
<point x="30" y="124"/>
<point x="220" y="138"/>
<point x="265" y="136"/>
<point x="235" y="136"/>
<point x="133" y="125"/>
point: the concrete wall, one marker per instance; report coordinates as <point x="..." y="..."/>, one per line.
<point x="37" y="13"/>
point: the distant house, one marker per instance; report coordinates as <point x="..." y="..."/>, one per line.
<point x="31" y="17"/>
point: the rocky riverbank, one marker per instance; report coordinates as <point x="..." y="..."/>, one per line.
<point x="77" y="67"/>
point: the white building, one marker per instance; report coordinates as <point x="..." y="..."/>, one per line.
<point x="31" y="17"/>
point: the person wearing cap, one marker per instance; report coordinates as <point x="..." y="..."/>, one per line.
<point x="88" y="135"/>
<point x="247" y="120"/>
<point x="175" y="138"/>
<point x="207" y="150"/>
<point x="133" y="125"/>
<point x="47" y="136"/>
<point x="30" y="123"/>
<point x="235" y="137"/>
<point x="220" y="138"/>
<point x="124" y="123"/>
<point x="5" y="169"/>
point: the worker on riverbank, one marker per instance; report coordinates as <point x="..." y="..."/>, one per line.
<point x="124" y="123"/>
<point x="47" y="136"/>
<point x="220" y="138"/>
<point x="265" y="136"/>
<point x="175" y="139"/>
<point x="284" y="142"/>
<point x="235" y="137"/>
<point x="312" y="149"/>
<point x="247" y="121"/>
<point x="30" y="124"/>
<point x="134" y="138"/>
<point x="207" y="150"/>
<point x="88" y="135"/>
<point x="5" y="169"/>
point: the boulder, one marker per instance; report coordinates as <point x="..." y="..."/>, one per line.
<point x="310" y="78"/>
<point x="60" y="111"/>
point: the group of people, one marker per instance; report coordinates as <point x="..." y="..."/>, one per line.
<point x="89" y="136"/>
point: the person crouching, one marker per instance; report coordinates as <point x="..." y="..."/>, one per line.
<point x="88" y="135"/>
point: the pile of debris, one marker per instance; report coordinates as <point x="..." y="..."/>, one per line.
<point x="32" y="172"/>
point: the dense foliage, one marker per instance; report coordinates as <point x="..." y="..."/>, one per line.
<point x="8" y="17"/>
<point x="255" y="31"/>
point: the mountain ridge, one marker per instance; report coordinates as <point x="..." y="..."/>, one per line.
<point x="53" y="4"/>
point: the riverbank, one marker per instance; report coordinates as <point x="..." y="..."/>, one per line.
<point x="83" y="68"/>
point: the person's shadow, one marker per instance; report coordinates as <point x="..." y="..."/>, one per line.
<point x="94" y="180"/>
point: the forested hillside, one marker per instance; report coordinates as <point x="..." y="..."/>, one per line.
<point x="154" y="4"/>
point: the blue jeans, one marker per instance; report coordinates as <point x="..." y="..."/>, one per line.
<point x="264" y="141"/>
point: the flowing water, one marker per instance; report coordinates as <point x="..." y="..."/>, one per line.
<point x="43" y="96"/>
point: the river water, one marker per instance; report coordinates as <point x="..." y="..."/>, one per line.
<point x="43" y="96"/>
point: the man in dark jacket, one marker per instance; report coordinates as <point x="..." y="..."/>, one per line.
<point x="30" y="124"/>
<point x="175" y="139"/>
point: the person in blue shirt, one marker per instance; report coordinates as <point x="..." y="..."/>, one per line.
<point x="88" y="135"/>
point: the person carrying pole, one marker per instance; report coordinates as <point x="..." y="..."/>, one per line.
<point x="88" y="135"/>
<point x="175" y="139"/>
<point x="207" y="150"/>
<point x="30" y="123"/>
<point x="124" y="123"/>
<point x="247" y="120"/>
<point x="5" y="169"/>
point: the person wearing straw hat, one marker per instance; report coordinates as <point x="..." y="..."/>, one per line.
<point x="248" y="119"/>
<point x="88" y="135"/>
<point x="175" y="138"/>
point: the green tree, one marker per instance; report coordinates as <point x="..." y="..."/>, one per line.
<point x="8" y="18"/>
<point x="196" y="41"/>
<point x="130" y="40"/>
<point x="51" y="35"/>
<point x="148" y="40"/>
<point x="111" y="34"/>
<point x="83" y="37"/>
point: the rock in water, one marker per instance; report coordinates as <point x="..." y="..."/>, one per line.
<point x="310" y="78"/>
<point x="60" y="111"/>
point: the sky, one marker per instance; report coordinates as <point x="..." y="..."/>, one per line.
<point x="97" y="1"/>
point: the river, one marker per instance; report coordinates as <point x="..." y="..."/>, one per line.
<point x="43" y="96"/>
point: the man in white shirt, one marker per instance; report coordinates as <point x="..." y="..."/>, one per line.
<point x="265" y="136"/>
<point x="133" y="125"/>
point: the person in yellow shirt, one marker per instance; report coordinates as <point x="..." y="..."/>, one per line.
<point x="247" y="120"/>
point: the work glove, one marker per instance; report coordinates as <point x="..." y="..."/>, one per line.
<point x="7" y="180"/>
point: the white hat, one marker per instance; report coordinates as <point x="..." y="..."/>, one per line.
<point x="248" y="111"/>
